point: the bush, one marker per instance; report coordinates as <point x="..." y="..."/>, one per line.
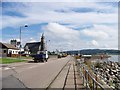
<point x="98" y="65"/>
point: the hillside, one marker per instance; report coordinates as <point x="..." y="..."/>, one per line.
<point x="94" y="51"/>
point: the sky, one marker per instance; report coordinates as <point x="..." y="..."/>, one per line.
<point x="66" y="25"/>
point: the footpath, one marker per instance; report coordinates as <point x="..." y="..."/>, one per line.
<point x="68" y="78"/>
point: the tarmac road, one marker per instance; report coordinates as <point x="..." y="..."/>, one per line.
<point x="32" y="75"/>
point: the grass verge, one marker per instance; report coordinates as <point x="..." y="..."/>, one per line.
<point x="23" y="57"/>
<point x="9" y="60"/>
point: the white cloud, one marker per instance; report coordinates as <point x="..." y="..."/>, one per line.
<point x="61" y="31"/>
<point x="61" y="1"/>
<point x="93" y="43"/>
<point x="101" y="32"/>
<point x="68" y="39"/>
<point x="105" y="35"/>
<point x="18" y="40"/>
<point x="32" y="40"/>
<point x="97" y="34"/>
<point x="100" y="35"/>
<point x="62" y="37"/>
<point x="46" y="12"/>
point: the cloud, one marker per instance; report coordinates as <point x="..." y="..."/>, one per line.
<point x="97" y="34"/>
<point x="105" y="35"/>
<point x="93" y="43"/>
<point x="101" y="32"/>
<point x="68" y="25"/>
<point x="62" y="37"/>
<point x="61" y="31"/>
<point x="61" y="1"/>
<point x="66" y="38"/>
<point x="48" y="12"/>
<point x="18" y="40"/>
<point x="32" y="40"/>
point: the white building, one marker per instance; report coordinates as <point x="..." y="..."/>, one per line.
<point x="8" y="50"/>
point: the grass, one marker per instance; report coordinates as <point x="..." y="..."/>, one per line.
<point x="23" y="57"/>
<point x="10" y="60"/>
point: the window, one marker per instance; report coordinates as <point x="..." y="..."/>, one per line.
<point x="10" y="52"/>
<point x="13" y="51"/>
<point x="4" y="51"/>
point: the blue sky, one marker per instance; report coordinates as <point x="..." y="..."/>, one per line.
<point x="68" y="25"/>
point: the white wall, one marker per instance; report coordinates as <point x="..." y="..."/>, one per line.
<point x="27" y="52"/>
<point x="13" y="51"/>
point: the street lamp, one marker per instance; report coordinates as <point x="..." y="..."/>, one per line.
<point x="47" y="45"/>
<point x="20" y="38"/>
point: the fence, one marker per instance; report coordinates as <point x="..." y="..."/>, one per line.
<point x="89" y="81"/>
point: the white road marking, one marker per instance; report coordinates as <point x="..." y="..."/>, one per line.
<point x="28" y="68"/>
<point x="15" y="67"/>
<point x="7" y="68"/>
<point x="12" y="67"/>
<point x="35" y="65"/>
<point x="32" y="67"/>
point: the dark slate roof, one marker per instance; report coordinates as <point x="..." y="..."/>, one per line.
<point x="9" y="46"/>
<point x="33" y="47"/>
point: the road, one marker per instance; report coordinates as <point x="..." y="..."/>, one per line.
<point x="32" y="75"/>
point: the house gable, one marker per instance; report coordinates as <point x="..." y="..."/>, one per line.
<point x="8" y="46"/>
<point x="33" y="47"/>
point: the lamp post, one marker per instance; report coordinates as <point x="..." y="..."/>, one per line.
<point x="20" y="39"/>
<point x="47" y="45"/>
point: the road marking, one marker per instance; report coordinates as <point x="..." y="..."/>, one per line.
<point x="12" y="67"/>
<point x="28" y="68"/>
<point x="35" y="66"/>
<point x="32" y="67"/>
<point x="7" y="68"/>
<point x="16" y="65"/>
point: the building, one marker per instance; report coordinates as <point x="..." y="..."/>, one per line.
<point x="26" y="51"/>
<point x="15" y="42"/>
<point x="32" y="47"/>
<point x="35" y="47"/>
<point x="42" y="46"/>
<point x="8" y="50"/>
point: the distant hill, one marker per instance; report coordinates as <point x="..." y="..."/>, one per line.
<point x="94" y="51"/>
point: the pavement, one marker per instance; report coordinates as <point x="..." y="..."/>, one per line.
<point x="56" y="73"/>
<point x="68" y="78"/>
